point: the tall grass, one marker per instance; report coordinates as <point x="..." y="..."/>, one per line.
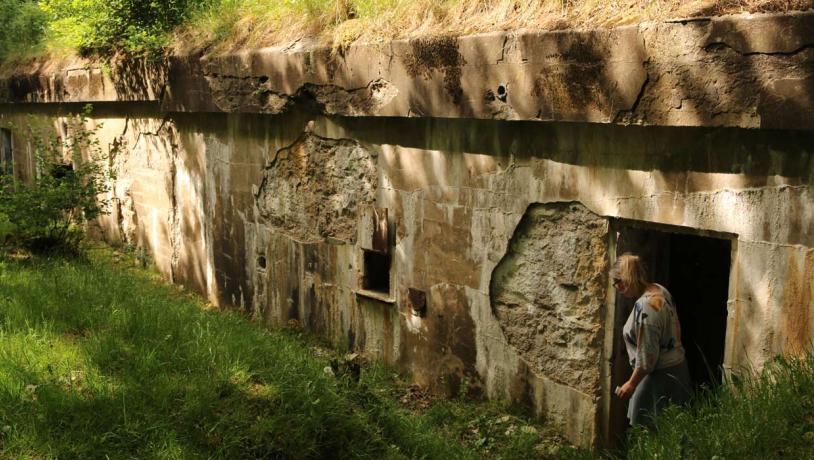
<point x="98" y="361"/>
<point x="230" y="24"/>
<point x="770" y="415"/>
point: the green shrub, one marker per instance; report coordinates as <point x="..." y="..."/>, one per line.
<point x="6" y="229"/>
<point x="107" y="26"/>
<point x="22" y="24"/>
<point x="47" y="213"/>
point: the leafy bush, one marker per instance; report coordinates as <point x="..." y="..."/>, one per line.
<point x="106" y="26"/>
<point x="23" y="25"/>
<point x="47" y="213"/>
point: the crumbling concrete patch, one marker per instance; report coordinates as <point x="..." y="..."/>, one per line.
<point x="335" y="100"/>
<point x="245" y="94"/>
<point x="313" y="189"/>
<point x="548" y="291"/>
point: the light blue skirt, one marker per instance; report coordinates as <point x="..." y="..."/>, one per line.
<point x="670" y="385"/>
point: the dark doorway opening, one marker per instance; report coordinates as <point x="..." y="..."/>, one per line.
<point x="376" y="272"/>
<point x="695" y="269"/>
<point x="6" y="155"/>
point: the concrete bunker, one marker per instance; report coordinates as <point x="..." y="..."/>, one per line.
<point x="497" y="272"/>
<point x="696" y="267"/>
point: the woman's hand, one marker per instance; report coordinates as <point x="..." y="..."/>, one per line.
<point x="626" y="390"/>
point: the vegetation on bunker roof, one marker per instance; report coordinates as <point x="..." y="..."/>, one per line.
<point x="54" y="29"/>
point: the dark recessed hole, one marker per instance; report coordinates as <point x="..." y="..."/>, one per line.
<point x="62" y="170"/>
<point x="502" y="93"/>
<point x="261" y="262"/>
<point x="695" y="269"/>
<point x="264" y="79"/>
<point x="377" y="272"/>
<point x="6" y="156"/>
<point x="418" y="301"/>
<point x="688" y="265"/>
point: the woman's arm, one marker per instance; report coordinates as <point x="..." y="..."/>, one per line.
<point x="627" y="389"/>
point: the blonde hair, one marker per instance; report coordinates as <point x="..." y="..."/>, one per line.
<point x="630" y="269"/>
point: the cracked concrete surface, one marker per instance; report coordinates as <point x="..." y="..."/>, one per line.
<point x="750" y="71"/>
<point x="548" y="292"/>
<point x="314" y="189"/>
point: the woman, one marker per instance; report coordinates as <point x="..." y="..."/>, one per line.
<point x="652" y="337"/>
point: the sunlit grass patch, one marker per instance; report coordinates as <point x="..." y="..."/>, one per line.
<point x="231" y="24"/>
<point x="757" y="415"/>
<point x="98" y="358"/>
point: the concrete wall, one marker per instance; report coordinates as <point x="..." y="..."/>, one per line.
<point x="503" y="226"/>
<point x="499" y="233"/>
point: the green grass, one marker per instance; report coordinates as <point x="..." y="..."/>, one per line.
<point x="99" y="360"/>
<point x="767" y="416"/>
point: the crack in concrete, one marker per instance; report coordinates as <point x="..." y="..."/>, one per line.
<point x="629" y="113"/>
<point x="718" y="45"/>
<point x="712" y="192"/>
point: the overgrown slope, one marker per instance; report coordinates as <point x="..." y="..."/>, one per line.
<point x="99" y="361"/>
<point x="41" y="28"/>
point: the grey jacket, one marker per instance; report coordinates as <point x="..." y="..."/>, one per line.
<point x="652" y="333"/>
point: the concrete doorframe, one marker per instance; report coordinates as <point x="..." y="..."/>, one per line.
<point x="612" y="419"/>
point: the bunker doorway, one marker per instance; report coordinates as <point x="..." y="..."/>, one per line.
<point x="695" y="269"/>
<point x="6" y="156"/>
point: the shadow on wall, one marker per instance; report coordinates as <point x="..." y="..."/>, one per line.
<point x="727" y="71"/>
<point x="753" y="153"/>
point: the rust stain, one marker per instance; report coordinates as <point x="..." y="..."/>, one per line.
<point x="442" y="355"/>
<point x="797" y="303"/>
<point x="388" y="335"/>
<point x="381" y="237"/>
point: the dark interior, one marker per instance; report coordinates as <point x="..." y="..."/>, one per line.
<point x="699" y="282"/>
<point x="695" y="269"/>
<point x="377" y="272"/>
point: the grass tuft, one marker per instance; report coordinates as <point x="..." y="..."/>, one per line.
<point x="225" y="25"/>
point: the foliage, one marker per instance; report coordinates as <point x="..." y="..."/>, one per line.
<point x="22" y="26"/>
<point x="47" y="213"/>
<point x="99" y="360"/>
<point x="106" y="26"/>
<point x="770" y="415"/>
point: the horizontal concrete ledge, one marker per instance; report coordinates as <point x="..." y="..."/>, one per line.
<point x="80" y="81"/>
<point x="748" y="71"/>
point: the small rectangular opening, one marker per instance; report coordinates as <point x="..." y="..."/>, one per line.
<point x="6" y="156"/>
<point x="376" y="272"/>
